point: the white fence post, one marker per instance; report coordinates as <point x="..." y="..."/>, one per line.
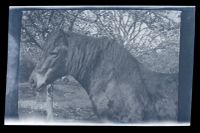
<point x="49" y="102"/>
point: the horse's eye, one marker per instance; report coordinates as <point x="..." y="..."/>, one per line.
<point x="54" y="54"/>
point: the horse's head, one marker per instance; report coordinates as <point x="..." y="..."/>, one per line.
<point x="52" y="63"/>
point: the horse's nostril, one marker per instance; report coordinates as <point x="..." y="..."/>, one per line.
<point x="32" y="81"/>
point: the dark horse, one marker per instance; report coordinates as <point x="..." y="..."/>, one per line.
<point x="119" y="87"/>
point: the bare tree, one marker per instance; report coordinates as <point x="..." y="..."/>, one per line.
<point x="139" y="31"/>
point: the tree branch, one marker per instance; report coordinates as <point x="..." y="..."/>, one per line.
<point x="32" y="39"/>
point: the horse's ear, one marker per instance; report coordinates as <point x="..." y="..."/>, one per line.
<point x="61" y="31"/>
<point x="65" y="36"/>
<point x="54" y="34"/>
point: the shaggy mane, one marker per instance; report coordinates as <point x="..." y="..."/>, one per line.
<point x="85" y="54"/>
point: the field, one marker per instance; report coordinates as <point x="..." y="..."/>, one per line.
<point x="69" y="102"/>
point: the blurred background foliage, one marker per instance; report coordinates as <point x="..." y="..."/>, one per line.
<point x="151" y="36"/>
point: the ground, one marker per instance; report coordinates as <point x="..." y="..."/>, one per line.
<point x="70" y="102"/>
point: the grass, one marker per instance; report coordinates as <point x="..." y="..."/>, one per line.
<point x="70" y="101"/>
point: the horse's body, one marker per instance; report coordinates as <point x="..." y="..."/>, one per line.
<point x="119" y="87"/>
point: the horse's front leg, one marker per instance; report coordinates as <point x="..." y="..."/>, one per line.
<point x="100" y="96"/>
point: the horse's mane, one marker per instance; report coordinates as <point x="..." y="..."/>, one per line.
<point x="89" y="51"/>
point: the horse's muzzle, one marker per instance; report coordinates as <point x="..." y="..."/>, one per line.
<point x="33" y="85"/>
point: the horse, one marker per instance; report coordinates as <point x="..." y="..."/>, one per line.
<point x="119" y="87"/>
